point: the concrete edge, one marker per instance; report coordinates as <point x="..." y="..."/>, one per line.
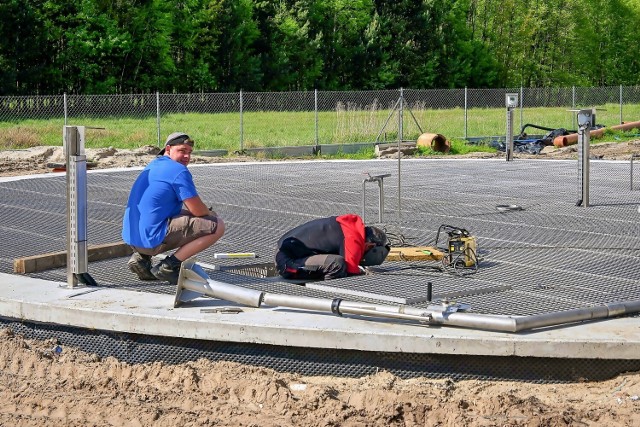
<point x="36" y="300"/>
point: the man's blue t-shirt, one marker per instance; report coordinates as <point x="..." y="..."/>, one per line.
<point x="156" y="196"/>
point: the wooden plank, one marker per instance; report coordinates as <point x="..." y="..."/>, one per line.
<point x="35" y="263"/>
<point x="415" y="253"/>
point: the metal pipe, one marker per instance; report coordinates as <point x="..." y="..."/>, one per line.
<point x="281" y="300"/>
<point x="194" y="279"/>
<point x="229" y="292"/>
<point x="523" y="323"/>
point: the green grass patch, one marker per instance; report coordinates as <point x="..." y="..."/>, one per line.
<point x="345" y="125"/>
<point x="458" y="147"/>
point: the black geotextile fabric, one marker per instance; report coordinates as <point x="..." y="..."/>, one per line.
<point x="540" y="254"/>
<point x="138" y="349"/>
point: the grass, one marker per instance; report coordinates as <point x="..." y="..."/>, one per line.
<point x="345" y="125"/>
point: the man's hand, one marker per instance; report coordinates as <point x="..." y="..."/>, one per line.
<point x="364" y="270"/>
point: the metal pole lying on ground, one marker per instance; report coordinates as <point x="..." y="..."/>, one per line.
<point x="194" y="283"/>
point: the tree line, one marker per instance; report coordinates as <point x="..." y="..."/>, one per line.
<point x="183" y="46"/>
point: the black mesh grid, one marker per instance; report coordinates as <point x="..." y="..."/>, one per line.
<point x="132" y="348"/>
<point x="549" y="256"/>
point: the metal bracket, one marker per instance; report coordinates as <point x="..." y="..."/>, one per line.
<point x="380" y="180"/>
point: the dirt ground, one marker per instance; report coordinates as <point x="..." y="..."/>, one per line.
<point x="38" y="160"/>
<point x="43" y="383"/>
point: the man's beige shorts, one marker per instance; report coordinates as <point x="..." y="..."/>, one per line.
<point x="183" y="228"/>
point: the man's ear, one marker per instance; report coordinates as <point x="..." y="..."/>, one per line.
<point x="369" y="245"/>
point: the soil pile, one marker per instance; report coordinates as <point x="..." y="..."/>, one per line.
<point x="44" y="383"/>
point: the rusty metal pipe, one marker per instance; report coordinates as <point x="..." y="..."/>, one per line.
<point x="566" y="140"/>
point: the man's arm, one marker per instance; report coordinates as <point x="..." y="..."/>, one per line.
<point x="197" y="207"/>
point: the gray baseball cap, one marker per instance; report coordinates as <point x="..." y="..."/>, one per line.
<point x="176" y="138"/>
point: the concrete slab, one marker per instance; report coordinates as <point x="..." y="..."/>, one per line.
<point x="128" y="311"/>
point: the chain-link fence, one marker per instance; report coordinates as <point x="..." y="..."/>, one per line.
<point x="245" y="120"/>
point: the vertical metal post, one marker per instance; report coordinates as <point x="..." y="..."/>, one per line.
<point x="621" y="105"/>
<point x="633" y="156"/>
<point x="241" y="125"/>
<point x="585" y="120"/>
<point x="631" y="173"/>
<point x="465" y="112"/>
<point x="380" y="180"/>
<point x="511" y="102"/>
<point x="364" y="201"/>
<point x="509" y="136"/>
<point x="76" y="165"/>
<point x="158" y="116"/>
<point x="400" y="122"/>
<point x="64" y="103"/>
<point x="521" y="102"/>
<point x="315" y="96"/>
<point x="381" y="200"/>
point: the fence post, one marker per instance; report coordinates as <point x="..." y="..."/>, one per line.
<point x="64" y="105"/>
<point x="400" y="119"/>
<point x="241" y="126"/>
<point x="465" y="112"/>
<point x="315" y="94"/>
<point x="158" y="116"/>
<point x="521" y="104"/>
<point x="621" y="105"/>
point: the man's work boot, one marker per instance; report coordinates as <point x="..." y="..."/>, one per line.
<point x="168" y="269"/>
<point x="140" y="265"/>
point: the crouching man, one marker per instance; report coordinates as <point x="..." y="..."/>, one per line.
<point x="164" y="212"/>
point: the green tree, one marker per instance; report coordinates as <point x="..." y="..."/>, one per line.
<point x="22" y="47"/>
<point x="291" y="55"/>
